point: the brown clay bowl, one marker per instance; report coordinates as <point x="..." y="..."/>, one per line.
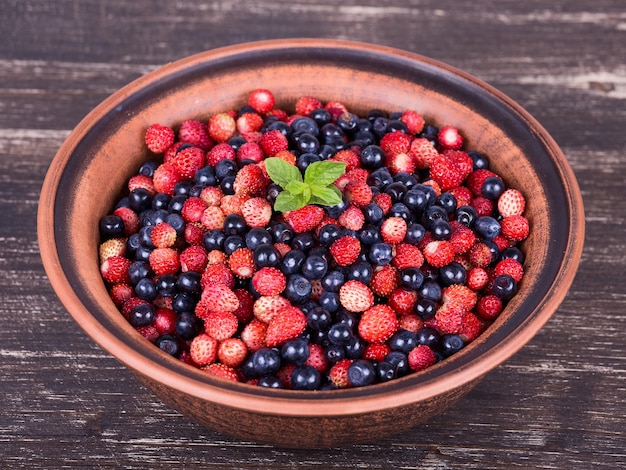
<point x="87" y="175"/>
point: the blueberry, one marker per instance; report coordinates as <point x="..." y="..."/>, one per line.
<point x="333" y="281"/>
<point x="369" y="235"/>
<point x="205" y="176"/>
<point x="399" y="209"/>
<point x="492" y="188"/>
<point x="227" y="184"/>
<point x="237" y="141"/>
<point x="140" y="199"/>
<point x="326" y="151"/>
<point x="295" y="351"/>
<point x="233" y="243"/>
<point x="273" y="190"/>
<point x="340" y="334"/>
<point x="487" y="227"/>
<point x="334" y="353"/>
<point x="380" y="254"/>
<point x="303" y="241"/>
<point x="396" y="190"/>
<point x="308" y="144"/>
<point x="466" y="215"/>
<point x="146" y="289"/>
<point x="328" y="234"/>
<point x="360" y="271"/>
<point x="411" y="278"/>
<point x="266" y="255"/>
<point x="405" y="178"/>
<point x="430" y="290"/>
<point x="298" y="289"/>
<point x="331" y="132"/>
<point x="361" y="372"/>
<point x="170" y="344"/>
<point x="428" y="337"/>
<point x="321" y="116"/>
<point x="433" y="213"/>
<point x="225" y="168"/>
<point x="373" y="213"/>
<point x="303" y="161"/>
<point x="319" y="318"/>
<point x="441" y="230"/>
<point x="403" y="341"/>
<point x="282" y="232"/>
<point x="177" y="222"/>
<point x="142" y="315"/>
<point x="453" y="273"/>
<point x="111" y="226"/>
<point x="416" y="200"/>
<point x="214" y="240"/>
<point x="266" y="361"/>
<point x="347" y="318"/>
<point x="189" y="282"/>
<point x="414" y="233"/>
<point x="305" y="377"/>
<point x="400" y="361"/>
<point x="338" y="209"/>
<point x="379" y="126"/>
<point x="138" y="270"/>
<point x="187" y="325"/>
<point x="451" y="344"/>
<point x="314" y="267"/>
<point x="184" y="302"/>
<point x="293" y="261"/>
<point x="305" y="124"/>
<point x="183" y="188"/>
<point x="161" y="201"/>
<point x="348" y="122"/>
<point x="372" y="157"/>
<point x="176" y="204"/>
<point x="431" y="196"/>
<point x="132" y="243"/>
<point x="425" y="308"/>
<point x="355" y="348"/>
<point x="256" y="237"/>
<point x="269" y="381"/>
<point x="504" y="287"/>
<point x="143" y="253"/>
<point x="330" y="301"/>
<point x="395" y="125"/>
<point x="147" y="168"/>
<point x="380" y="178"/>
<point x="512" y="253"/>
<point x="480" y="162"/>
<point x="385" y="371"/>
<point x="234" y="224"/>
<point x="284" y="128"/>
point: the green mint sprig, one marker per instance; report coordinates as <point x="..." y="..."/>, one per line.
<point x="316" y="187"/>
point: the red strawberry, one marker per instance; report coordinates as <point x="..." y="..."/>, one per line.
<point x="423" y="152"/>
<point x="376" y="351"/>
<point x="304" y="219"/>
<point x="222" y="371"/>
<point x="446" y="173"/>
<point x="250" y="151"/>
<point x="336" y="109"/>
<point x="194" y="233"/>
<point x="120" y="293"/>
<point x="510" y="267"/>
<point x="165" y="320"/>
<point x="163" y="235"/>
<point x="164" y="261"/>
<point x="482" y="205"/>
<point x="378" y="324"/>
<point x="232" y="352"/>
<point x="273" y="141"/>
<point x="511" y="202"/>
<point x="149" y="332"/>
<point x="464" y="162"/>
<point x="114" y="270"/>
<point x="317" y="359"/>
<point x="349" y="157"/>
<point x="193" y="258"/>
<point x="355" y="296"/>
<point x="393" y="230"/>
<point x="394" y="143"/>
<point x="345" y="250"/>
<point x="213" y="218"/>
<point x="112" y="247"/>
<point x="130" y="304"/>
<point x="222" y="127"/>
<point x="449" y="137"/>
<point x="195" y="132"/>
<point x="220" y="325"/>
<point x="203" y="349"/>
<point x="269" y="281"/>
<point x="249" y="122"/>
<point x="384" y="281"/>
<point x="130" y="219"/>
<point x="403" y="301"/>
<point x="359" y="194"/>
<point x="261" y="100"/>
<point x="384" y="201"/>
<point x="218" y="297"/>
<point x="489" y="307"/>
<point x="515" y="228"/>
<point x="357" y="175"/>
<point x="438" y="253"/>
<point x="241" y="263"/>
<point x="165" y="178"/>
<point x="401" y="162"/>
<point x="141" y="181"/>
<point x="460" y="294"/>
<point x="169" y="154"/>
<point x="472" y="327"/>
<point x="352" y="218"/>
<point x="477" y="279"/>
<point x="251" y="180"/>
<point x="188" y="161"/>
<point x="480" y="255"/>
<point x="288" y="324"/>
<point x="212" y="195"/>
<point x="287" y="156"/>
<point x="463" y="238"/>
<point x="233" y="203"/>
<point x="305" y="105"/>
<point x="476" y="179"/>
<point x="462" y="195"/>
<point x="266" y="306"/>
<point x="421" y="357"/>
<point x="257" y="212"/>
<point x="159" y="138"/>
<point x="221" y="151"/>
<point x="413" y="120"/>
<point x="410" y="322"/>
<point x="450" y="317"/>
<point x="246" y="301"/>
<point x="253" y="335"/>
<point x="338" y="374"/>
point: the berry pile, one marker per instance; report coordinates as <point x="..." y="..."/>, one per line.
<point x="314" y="250"/>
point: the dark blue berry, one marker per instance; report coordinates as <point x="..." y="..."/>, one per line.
<point x="187" y="325"/>
<point x="111" y="226"/>
<point x="166" y="285"/>
<point x="298" y="289"/>
<point x="340" y="334"/>
<point x="227" y="184"/>
<point x="266" y="361"/>
<point x="428" y="337"/>
<point x="504" y="287"/>
<point x="385" y="371"/>
<point x="147" y="168"/>
<point x="396" y="190"/>
<point x="183" y="188"/>
<point x="338" y="209"/>
<point x="266" y="255"/>
<point x="355" y="348"/>
<point x="140" y="199"/>
<point x="184" y="302"/>
<point x="347" y="318"/>
<point x="380" y="178"/>
<point x="305" y="377"/>
<point x="269" y="381"/>
<point x="234" y="224"/>
<point x="416" y="200"/>
<point x="411" y="278"/>
<point x="161" y="201"/>
<point x="487" y="227"/>
<point x="330" y="301"/>
<point x="414" y="233"/>
<point x="176" y="204"/>
<point x="425" y="308"/>
<point x="400" y="361"/>
<point x="303" y="241"/>
<point x="233" y="243"/>
<point x="282" y="232"/>
<point x="189" y="282"/>
<point x="295" y="351"/>
<point x="142" y="315"/>
<point x="308" y="144"/>
<point x="431" y="214"/>
<point x="380" y="254"/>
<point x="303" y="161"/>
<point x="512" y="253"/>
<point x="328" y="234"/>
<point x="293" y="261"/>
<point x="441" y="230"/>
<point x="138" y="270"/>
<point x="395" y="125"/>
<point x="453" y="273"/>
<point x="334" y="353"/>
<point x="321" y="116"/>
<point x="369" y="235"/>
<point x="146" y="289"/>
<point x="480" y="162"/>
<point x="170" y="344"/>
<point x="273" y="190"/>
<point x="318" y="318"/>
<point x="225" y="168"/>
<point x="373" y="213"/>
<point x="372" y="157"/>
<point x="257" y="236"/>
<point x="399" y="209"/>
<point x="451" y="344"/>
<point x="430" y="290"/>
<point x="214" y="240"/>
<point x="205" y="176"/>
<point x="314" y="267"/>
<point x="466" y="215"/>
<point x="333" y="281"/>
<point x="177" y="222"/>
<point x="360" y="271"/>
<point x="492" y="188"/>
<point x="403" y="341"/>
<point x="361" y="372"/>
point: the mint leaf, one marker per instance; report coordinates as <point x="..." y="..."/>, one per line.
<point x="295" y="187"/>
<point x="323" y="173"/>
<point x="282" y="172"/>
<point x="328" y="196"/>
<point x="288" y="202"/>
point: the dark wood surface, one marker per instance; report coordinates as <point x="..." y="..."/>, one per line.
<point x="558" y="403"/>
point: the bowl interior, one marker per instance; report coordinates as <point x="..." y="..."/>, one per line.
<point x="88" y="174"/>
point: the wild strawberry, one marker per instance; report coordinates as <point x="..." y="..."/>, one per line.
<point x="213" y="218"/>
<point x="141" y="181"/>
<point x="477" y="279"/>
<point x="250" y="151"/>
<point x="257" y="212"/>
<point x="130" y="219"/>
<point x="251" y="180"/>
<point x="463" y="161"/>
<point x="241" y="263"/>
<point x="246" y="301"/>
<point x="272" y="142"/>
<point x="165" y="178"/>
<point x="446" y="172"/>
<point x="193" y="208"/>
<point x="304" y="219"/>
<point x="165" y="321"/>
<point x="249" y="122"/>
<point x="164" y="261"/>
<point x="376" y="351"/>
<point x="462" y="195"/>
<point x="232" y="352"/>
<point x="163" y="235"/>
<point x="158" y="138"/>
<point x="359" y="194"/>
<point x="393" y="143"/>
<point x="434" y="185"/>
<point x="384" y="201"/>
<point x="211" y="195"/>
<point x="253" y="335"/>
<point x="338" y="374"/>
<point x="352" y="218"/>
<point x="220" y="325"/>
<point x="284" y="326"/>
<point x="449" y="137"/>
<point x="305" y="105"/>
<point x="410" y="322"/>
<point x="130" y="304"/>
<point x="188" y="161"/>
<point x="269" y="281"/>
<point x="279" y="114"/>
<point x="336" y="109"/>
<point x="217" y="297"/>
<point x="349" y="157"/>
<point x="287" y="156"/>
<point x="114" y="269"/>
<point x="401" y="162"/>
<point x="282" y="249"/>
<point x="471" y="328"/>
<point x="476" y="179"/>
<point x="112" y="247"/>
<point x="403" y="301"/>
<point x="423" y="152"/>
<point x="378" y="324"/>
<point x="414" y="121"/>
<point x="120" y="293"/>
<point x="217" y="257"/>
<point x="480" y="255"/>
<point x="393" y="230"/>
<point x="489" y="307"/>
<point x="345" y="250"/>
<point x="266" y="306"/>
<point x="355" y="296"/>
<point x="510" y="267"/>
<point x="357" y="175"/>
<point x="221" y="151"/>
<point x="233" y="203"/>
<point x="148" y="332"/>
<point x="384" y="281"/>
<point x="195" y="132"/>
<point x="203" y="349"/>
<point x="170" y="153"/>
<point x="515" y="228"/>
<point x="222" y="371"/>
<point x="222" y="127"/>
<point x="438" y="253"/>
<point x="463" y="238"/>
<point x="317" y="359"/>
<point x="193" y="258"/>
<point x="341" y="182"/>
<point x="194" y="233"/>
<point x="460" y="294"/>
<point x="261" y="100"/>
<point x="450" y="317"/>
<point x="421" y="357"/>
<point x="511" y="202"/>
<point x="482" y="205"/>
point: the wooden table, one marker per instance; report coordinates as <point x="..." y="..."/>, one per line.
<point x="558" y="403"/>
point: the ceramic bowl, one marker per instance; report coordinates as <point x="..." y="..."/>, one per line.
<point x="87" y="175"/>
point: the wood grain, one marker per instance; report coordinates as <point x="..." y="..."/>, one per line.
<point x="558" y="403"/>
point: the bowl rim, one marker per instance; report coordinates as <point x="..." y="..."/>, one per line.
<point x="288" y="402"/>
